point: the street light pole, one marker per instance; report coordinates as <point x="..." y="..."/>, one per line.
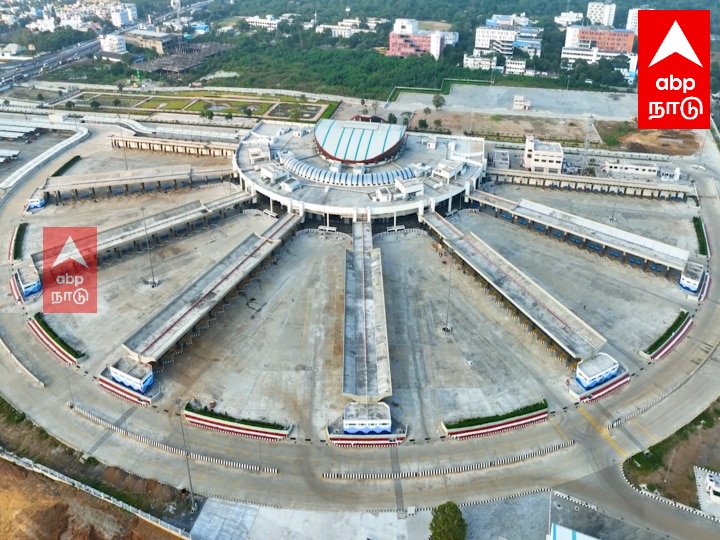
<point x="153" y="283"/>
<point x="122" y="141"/>
<point x="193" y="506"/>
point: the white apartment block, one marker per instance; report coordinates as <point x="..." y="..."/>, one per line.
<point x="490" y="39"/>
<point x="510" y="20"/>
<point x="515" y="67"/>
<point x="542" y="156"/>
<point x="566" y="18"/>
<point x="113" y="43"/>
<point x="601" y="13"/>
<point x="480" y="62"/>
<point x="349" y="27"/>
<point x="632" y="19"/>
<point x="268" y="22"/>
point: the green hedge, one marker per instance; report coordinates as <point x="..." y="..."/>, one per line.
<point x="471" y="422"/>
<point x="64" y="168"/>
<point x="659" y="342"/>
<point x="700" y="231"/>
<point x="330" y="110"/>
<point x="17" y="245"/>
<point x="40" y="319"/>
<point x="228" y="418"/>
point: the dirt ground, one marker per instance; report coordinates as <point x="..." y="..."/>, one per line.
<point x="34" y="507"/>
<point x="678" y="143"/>
<point x="697" y="445"/>
<point x="28" y="496"/>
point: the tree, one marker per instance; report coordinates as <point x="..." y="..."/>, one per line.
<point x="438" y="101"/>
<point x="447" y="523"/>
<point x="422" y="123"/>
<point x="40" y="97"/>
<point x="94" y="104"/>
<point x="247" y="112"/>
<point x="392" y="119"/>
<point x="427" y="110"/>
<point x="209" y="115"/>
<point x="6" y="102"/>
<point x="116" y="102"/>
<point x="375" y="107"/>
<point x="437" y="123"/>
<point x="69" y="105"/>
<point x="120" y="86"/>
<point x="60" y="93"/>
<point x="228" y="116"/>
<point x="406" y="117"/>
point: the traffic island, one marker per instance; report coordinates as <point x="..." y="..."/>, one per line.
<point x="489" y="425"/>
<point x="211" y="419"/>
<point x="672" y="336"/>
<point x="54" y="343"/>
<point x="342" y="433"/>
<point x="597" y="377"/>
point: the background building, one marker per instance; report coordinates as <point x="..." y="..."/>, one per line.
<point x="113" y="43"/>
<point x="542" y="156"/>
<point x="632" y="19"/>
<point x="566" y="18"/>
<point x="604" y="39"/>
<point x="602" y="13"/>
<point x="407" y="40"/>
<point x="490" y="39"/>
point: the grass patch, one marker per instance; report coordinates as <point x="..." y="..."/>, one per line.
<point x="611" y="133"/>
<point x="66" y="166"/>
<point x="330" y="110"/>
<point x="659" y="342"/>
<point x="496" y="117"/>
<point x="700" y="232"/>
<point x="470" y="422"/>
<point x="10" y="414"/>
<point x="40" y="319"/>
<point x="170" y="104"/>
<point x="228" y="418"/>
<point x="18" y="242"/>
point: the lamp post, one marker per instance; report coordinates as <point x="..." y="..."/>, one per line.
<point x="153" y="283"/>
<point x="122" y="141"/>
<point x="193" y="506"/>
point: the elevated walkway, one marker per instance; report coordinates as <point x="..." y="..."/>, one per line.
<point x="177" y="319"/>
<point x="560" y="324"/>
<point x="591" y="234"/>
<point x="90" y="186"/>
<point x="158" y="229"/>
<point x="636" y="188"/>
<point x="366" y="357"/>
<point x="177" y="146"/>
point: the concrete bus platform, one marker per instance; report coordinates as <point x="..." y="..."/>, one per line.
<point x="176" y="146"/>
<point x="588" y="233"/>
<point x="637" y="188"/>
<point x="158" y="229"/>
<point x="570" y="332"/>
<point x="159" y="334"/>
<point x="366" y="357"/>
<point x="90" y="186"/>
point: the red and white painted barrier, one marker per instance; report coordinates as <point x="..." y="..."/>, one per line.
<point x="498" y="427"/>
<point x="365" y="441"/>
<point x="12" y="245"/>
<point x="123" y="392"/>
<point x="235" y="428"/>
<point x="674" y="340"/>
<point x="15" y="290"/>
<point x="606" y="389"/>
<point x="705" y="288"/>
<point x="57" y="351"/>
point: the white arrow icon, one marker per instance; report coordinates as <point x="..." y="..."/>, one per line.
<point x="675" y="42"/>
<point x="69" y="252"/>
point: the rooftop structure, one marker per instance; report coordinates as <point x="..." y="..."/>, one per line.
<point x="269" y="22"/>
<point x="358" y="142"/>
<point x="160" y="42"/>
<point x="112" y="43"/>
<point x="164" y="329"/>
<point x="541" y="156"/>
<point x="367" y="418"/>
<point x="592" y="371"/>
<point x="571" y="333"/>
<point x="366" y="357"/>
<point x="566" y="18"/>
<point x="135" y="375"/>
<point x="612" y="237"/>
<point x="508" y="20"/>
<point x="604" y="39"/>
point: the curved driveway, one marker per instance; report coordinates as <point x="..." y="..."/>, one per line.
<point x="589" y="469"/>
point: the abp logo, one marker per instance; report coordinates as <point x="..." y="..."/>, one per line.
<point x="69" y="270"/>
<point x="674" y="69"/>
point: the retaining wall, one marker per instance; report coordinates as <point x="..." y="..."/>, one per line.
<point x="496" y="427"/>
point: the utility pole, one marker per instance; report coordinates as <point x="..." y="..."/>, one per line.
<point x="447" y="328"/>
<point x="122" y="141"/>
<point x="193" y="506"/>
<point x="153" y="283"/>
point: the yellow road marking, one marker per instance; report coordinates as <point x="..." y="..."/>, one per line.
<point x="558" y="429"/>
<point x="602" y="430"/>
<point x="653" y="439"/>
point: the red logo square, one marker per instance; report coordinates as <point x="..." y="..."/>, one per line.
<point x="69" y="270"/>
<point x="674" y="69"/>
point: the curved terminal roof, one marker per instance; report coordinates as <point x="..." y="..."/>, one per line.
<point x="307" y="171"/>
<point x="358" y="142"/>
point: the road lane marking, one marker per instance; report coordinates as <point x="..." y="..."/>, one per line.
<point x="636" y="422"/>
<point x="603" y="433"/>
<point x="557" y="427"/>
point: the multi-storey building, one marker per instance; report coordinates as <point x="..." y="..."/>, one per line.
<point x="113" y="43"/>
<point x="349" y="27"/>
<point x="515" y="67"/>
<point x="632" y="19"/>
<point x="508" y="20"/>
<point x="542" y="156"/>
<point x="604" y="39"/>
<point x="486" y="63"/>
<point x="602" y="13"/>
<point x="407" y="40"/>
<point x="268" y="22"/>
<point x="490" y="39"/>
